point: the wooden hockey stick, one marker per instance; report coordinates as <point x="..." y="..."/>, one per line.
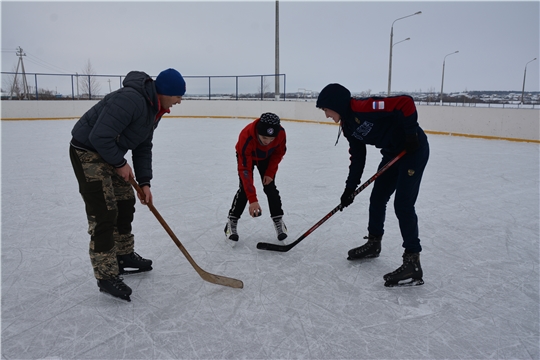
<point x="285" y="248"/>
<point x="215" y="279"/>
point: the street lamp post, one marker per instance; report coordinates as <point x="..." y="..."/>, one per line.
<point x="402" y="41"/>
<point x="442" y="81"/>
<point x="525" y="74"/>
<point x="276" y="93"/>
<point x="395" y="45"/>
<point x="391" y="46"/>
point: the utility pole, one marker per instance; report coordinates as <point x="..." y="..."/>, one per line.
<point x="523" y="89"/>
<point x="20" y="54"/>
<point x="277" y="52"/>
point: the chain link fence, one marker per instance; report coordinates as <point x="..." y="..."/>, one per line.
<point x="42" y="86"/>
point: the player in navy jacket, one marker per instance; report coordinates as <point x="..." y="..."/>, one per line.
<point x="122" y="121"/>
<point x="390" y="124"/>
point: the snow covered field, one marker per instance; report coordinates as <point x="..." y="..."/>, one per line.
<point x="479" y="224"/>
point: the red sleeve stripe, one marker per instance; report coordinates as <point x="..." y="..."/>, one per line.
<point x="405" y="104"/>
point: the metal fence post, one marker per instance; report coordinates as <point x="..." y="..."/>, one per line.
<point x="284" y="84"/>
<point x="35" y="81"/>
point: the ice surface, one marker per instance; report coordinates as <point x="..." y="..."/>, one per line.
<point x="479" y="223"/>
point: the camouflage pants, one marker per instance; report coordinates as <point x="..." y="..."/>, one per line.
<point x="110" y="207"/>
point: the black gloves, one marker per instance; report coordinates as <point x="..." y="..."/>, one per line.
<point x="346" y="198"/>
<point x="411" y="142"/>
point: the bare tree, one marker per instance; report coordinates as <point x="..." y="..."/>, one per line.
<point x="87" y="81"/>
<point x="365" y="94"/>
<point x="432" y="96"/>
<point x="265" y="86"/>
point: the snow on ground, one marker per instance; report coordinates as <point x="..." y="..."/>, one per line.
<point x="479" y="223"/>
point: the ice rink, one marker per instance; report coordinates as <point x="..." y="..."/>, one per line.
<point x="478" y="215"/>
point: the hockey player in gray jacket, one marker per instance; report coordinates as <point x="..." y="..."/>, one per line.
<point x="123" y="120"/>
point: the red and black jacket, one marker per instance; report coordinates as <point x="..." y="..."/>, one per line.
<point x="383" y="122"/>
<point x="250" y="151"/>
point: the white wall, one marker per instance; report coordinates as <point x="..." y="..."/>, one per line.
<point x="520" y="124"/>
<point x="512" y="124"/>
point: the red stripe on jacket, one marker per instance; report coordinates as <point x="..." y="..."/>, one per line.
<point x="405" y="104"/>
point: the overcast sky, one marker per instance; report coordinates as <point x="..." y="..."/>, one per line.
<point x="320" y="42"/>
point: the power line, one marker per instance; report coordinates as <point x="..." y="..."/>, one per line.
<point x="35" y="60"/>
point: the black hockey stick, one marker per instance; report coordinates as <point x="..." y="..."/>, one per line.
<point x="285" y="248"/>
<point x="215" y="279"/>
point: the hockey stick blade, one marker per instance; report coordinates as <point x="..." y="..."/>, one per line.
<point x="285" y="248"/>
<point x="275" y="247"/>
<point x="212" y="278"/>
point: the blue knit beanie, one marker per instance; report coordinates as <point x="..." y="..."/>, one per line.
<point x="170" y="82"/>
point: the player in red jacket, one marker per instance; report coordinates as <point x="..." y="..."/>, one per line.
<point x="260" y="144"/>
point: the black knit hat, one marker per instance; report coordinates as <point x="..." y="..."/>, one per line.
<point x="335" y="97"/>
<point x="268" y="125"/>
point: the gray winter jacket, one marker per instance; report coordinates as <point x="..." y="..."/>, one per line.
<point x="124" y="120"/>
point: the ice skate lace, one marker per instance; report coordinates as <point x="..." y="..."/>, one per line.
<point x="232" y="226"/>
<point x="406" y="262"/>
<point x="366" y="247"/>
<point x="278" y="223"/>
<point x="398" y="270"/>
<point x="136" y="256"/>
<point x="118" y="283"/>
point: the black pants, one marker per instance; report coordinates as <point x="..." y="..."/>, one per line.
<point x="403" y="178"/>
<point x="274" y="200"/>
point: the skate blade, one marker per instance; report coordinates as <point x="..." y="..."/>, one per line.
<point x="403" y="283"/>
<point x="130" y="271"/>
<point x="362" y="258"/>
<point x="124" y="297"/>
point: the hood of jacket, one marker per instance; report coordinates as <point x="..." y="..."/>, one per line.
<point x="142" y="83"/>
<point x="335" y="97"/>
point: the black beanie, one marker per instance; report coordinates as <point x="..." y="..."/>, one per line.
<point x="268" y="125"/>
<point x="335" y="97"/>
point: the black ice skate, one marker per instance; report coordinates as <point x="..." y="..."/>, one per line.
<point x="230" y="229"/>
<point x="281" y="229"/>
<point x="133" y="263"/>
<point x="408" y="274"/>
<point x="371" y="249"/>
<point x="115" y="286"/>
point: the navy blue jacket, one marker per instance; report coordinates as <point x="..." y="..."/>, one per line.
<point x="383" y="122"/>
<point x="124" y="120"/>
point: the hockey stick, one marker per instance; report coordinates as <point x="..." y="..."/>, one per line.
<point x="285" y="248"/>
<point x="216" y="279"/>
